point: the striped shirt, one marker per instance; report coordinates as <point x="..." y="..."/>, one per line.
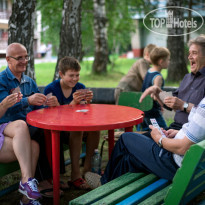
<point x="194" y="129"/>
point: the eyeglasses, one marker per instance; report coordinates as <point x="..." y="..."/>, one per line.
<point x="21" y="59"/>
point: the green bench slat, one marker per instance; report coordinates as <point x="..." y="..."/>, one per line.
<point x="106" y="189"/>
<point x="5" y="169"/>
<point x="146" y="192"/>
<point x="185" y="174"/>
<point x="188" y="182"/>
<point x="8" y="168"/>
<point x="127" y="190"/>
<point x="9" y="189"/>
<point x="194" y="193"/>
<point x="156" y="198"/>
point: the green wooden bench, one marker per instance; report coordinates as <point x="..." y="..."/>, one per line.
<point x="7" y="169"/>
<point x="138" y="188"/>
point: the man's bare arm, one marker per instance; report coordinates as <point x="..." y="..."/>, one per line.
<point x="153" y="91"/>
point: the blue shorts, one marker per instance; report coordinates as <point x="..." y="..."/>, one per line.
<point x="2" y="128"/>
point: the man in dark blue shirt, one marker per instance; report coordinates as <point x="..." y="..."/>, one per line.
<point x="192" y="88"/>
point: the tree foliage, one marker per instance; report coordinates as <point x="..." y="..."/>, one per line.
<point x="51" y="12"/>
<point x="118" y="21"/>
<point x="119" y="15"/>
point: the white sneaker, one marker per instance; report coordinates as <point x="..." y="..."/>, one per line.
<point x="93" y="179"/>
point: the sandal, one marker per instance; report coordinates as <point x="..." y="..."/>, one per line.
<point x="48" y="193"/>
<point x="79" y="183"/>
<point x="93" y="179"/>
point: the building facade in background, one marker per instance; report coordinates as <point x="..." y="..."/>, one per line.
<point x="5" y="13"/>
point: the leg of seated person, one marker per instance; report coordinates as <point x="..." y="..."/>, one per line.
<point x="92" y="142"/>
<point x="7" y="153"/>
<point x="18" y="130"/>
<point x="137" y="153"/>
<point x="18" y="145"/>
<point x="43" y="170"/>
<point x="75" y="144"/>
<point x="34" y="156"/>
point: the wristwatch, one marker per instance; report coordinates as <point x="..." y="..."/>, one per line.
<point x="160" y="142"/>
<point x="186" y="105"/>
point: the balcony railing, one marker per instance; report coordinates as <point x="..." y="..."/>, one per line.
<point x="3" y="44"/>
<point x="5" y="14"/>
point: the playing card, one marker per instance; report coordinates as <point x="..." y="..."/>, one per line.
<point x="164" y="94"/>
<point x="155" y="124"/>
<point x="49" y="95"/>
<point x="83" y="110"/>
<point x="16" y="90"/>
<point x="82" y="91"/>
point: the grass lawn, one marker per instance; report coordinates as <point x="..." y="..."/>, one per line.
<point x="45" y="71"/>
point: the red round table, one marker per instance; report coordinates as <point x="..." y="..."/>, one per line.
<point x="91" y="117"/>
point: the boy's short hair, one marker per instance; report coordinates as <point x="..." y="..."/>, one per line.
<point x="69" y="63"/>
<point x="200" y="41"/>
<point x="159" y="53"/>
<point x="148" y="49"/>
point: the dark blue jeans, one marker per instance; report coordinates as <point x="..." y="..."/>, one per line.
<point x="138" y="153"/>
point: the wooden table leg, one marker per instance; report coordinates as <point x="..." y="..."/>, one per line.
<point x="56" y="165"/>
<point x="110" y="141"/>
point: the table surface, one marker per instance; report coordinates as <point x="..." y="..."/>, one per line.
<point x="89" y="117"/>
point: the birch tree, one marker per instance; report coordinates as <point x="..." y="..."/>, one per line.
<point x="100" y="37"/>
<point x="21" y="29"/>
<point x="177" y="67"/>
<point x="70" y="34"/>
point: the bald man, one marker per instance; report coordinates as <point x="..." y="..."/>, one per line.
<point x="13" y="77"/>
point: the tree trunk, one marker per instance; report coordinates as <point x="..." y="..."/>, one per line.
<point x="177" y="67"/>
<point x="100" y="37"/>
<point x="189" y="18"/>
<point x="70" y="34"/>
<point x="21" y="29"/>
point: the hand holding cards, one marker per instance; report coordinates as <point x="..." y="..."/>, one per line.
<point x="17" y="90"/>
<point x="47" y="97"/>
<point x="155" y="124"/>
<point x="164" y="94"/>
<point x="85" y="95"/>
